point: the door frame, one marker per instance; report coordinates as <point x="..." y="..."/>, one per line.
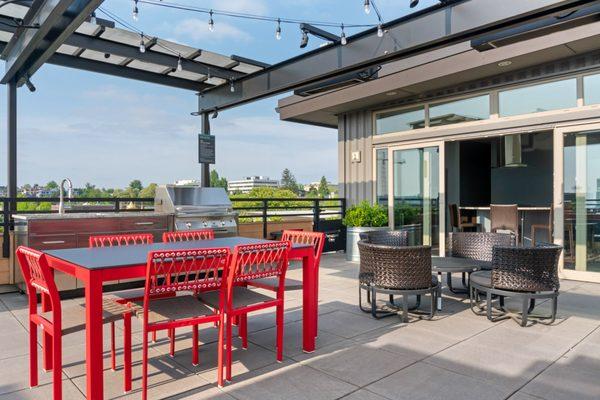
<point x="441" y="183"/>
<point x="558" y="197"/>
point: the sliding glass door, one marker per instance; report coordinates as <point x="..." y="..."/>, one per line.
<point x="578" y="226"/>
<point x="413" y="191"/>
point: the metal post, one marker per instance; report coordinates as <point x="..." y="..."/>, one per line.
<point x="264" y="218"/>
<point x="316" y="215"/>
<point x="205" y="128"/>
<point x="11" y="180"/>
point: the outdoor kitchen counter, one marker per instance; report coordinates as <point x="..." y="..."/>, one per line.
<point x="54" y="231"/>
<point x="80" y="215"/>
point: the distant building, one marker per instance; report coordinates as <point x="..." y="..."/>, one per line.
<point x="247" y="184"/>
<point x="3" y="191"/>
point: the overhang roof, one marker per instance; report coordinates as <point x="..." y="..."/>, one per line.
<point x="115" y="51"/>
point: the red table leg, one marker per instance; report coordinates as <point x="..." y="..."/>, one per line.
<point x="93" y="337"/>
<point x="309" y="302"/>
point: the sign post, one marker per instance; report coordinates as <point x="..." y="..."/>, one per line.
<point x="206" y="150"/>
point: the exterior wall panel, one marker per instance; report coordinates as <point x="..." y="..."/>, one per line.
<point x="355" y="135"/>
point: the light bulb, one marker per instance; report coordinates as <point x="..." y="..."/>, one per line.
<point x="304" y="40"/>
<point x="343" y="39"/>
<point x="142" y="44"/>
<point x="231" y="86"/>
<point x="367" y="7"/>
<point x="379" y="30"/>
<point x="136" y="12"/>
<point x="93" y="19"/>
<point x="179" y="66"/>
<point x="211" y="23"/>
<point x="278" y="30"/>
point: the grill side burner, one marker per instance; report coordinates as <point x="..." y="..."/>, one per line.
<point x="197" y="207"/>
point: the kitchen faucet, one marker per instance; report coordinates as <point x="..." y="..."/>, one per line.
<point x="61" y="203"/>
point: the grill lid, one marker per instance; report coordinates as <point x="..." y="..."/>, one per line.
<point x="191" y="199"/>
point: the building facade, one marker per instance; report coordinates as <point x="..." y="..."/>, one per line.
<point x="251" y="182"/>
<point x="486" y="121"/>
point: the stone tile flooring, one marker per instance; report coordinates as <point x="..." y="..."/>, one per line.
<point x="456" y="356"/>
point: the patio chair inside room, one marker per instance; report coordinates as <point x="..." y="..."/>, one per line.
<point x="60" y="322"/>
<point x="524" y="273"/>
<point x="396" y="270"/>
<point x="505" y="218"/>
<point x="458" y="222"/>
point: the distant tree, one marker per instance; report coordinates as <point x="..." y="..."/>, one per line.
<point x="216" y="181"/>
<point x="136" y="184"/>
<point x="313" y="192"/>
<point x="51" y="185"/>
<point x="288" y="181"/>
<point x="148" y="191"/>
<point x="323" y="188"/>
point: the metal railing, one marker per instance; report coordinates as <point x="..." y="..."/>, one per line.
<point x="325" y="214"/>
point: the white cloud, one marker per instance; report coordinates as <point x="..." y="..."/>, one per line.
<point x="197" y="29"/>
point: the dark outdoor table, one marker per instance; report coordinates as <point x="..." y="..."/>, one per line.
<point x="450" y="265"/>
<point x="94" y="266"/>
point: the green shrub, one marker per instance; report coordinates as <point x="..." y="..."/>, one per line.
<point x="365" y="214"/>
<point x="405" y="214"/>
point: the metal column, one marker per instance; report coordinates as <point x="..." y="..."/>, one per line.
<point x="205" y="128"/>
<point x="11" y="179"/>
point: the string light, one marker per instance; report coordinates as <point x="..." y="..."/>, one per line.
<point x="367" y="7"/>
<point x="179" y="65"/>
<point x="278" y="30"/>
<point x="231" y="86"/>
<point x="215" y="113"/>
<point x="343" y="39"/>
<point x="211" y="23"/>
<point x="379" y="30"/>
<point x="93" y="19"/>
<point x="142" y="44"/>
<point x="304" y="39"/>
<point x="136" y="12"/>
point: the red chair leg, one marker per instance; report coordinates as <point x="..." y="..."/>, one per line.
<point x="154" y="337"/>
<point x="47" y="351"/>
<point x="279" y="333"/>
<point x="127" y="352"/>
<point x="33" y="356"/>
<point x="243" y="328"/>
<point x="172" y="342"/>
<point x="220" y="354"/>
<point x="195" y="345"/>
<point x="228" y="348"/>
<point x="145" y="366"/>
<point x="57" y="366"/>
<point x="113" y="352"/>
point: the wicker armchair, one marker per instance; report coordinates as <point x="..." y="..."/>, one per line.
<point x="396" y="270"/>
<point x="528" y="273"/>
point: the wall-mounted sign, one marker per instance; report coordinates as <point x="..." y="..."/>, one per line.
<point x="355" y="157"/>
<point x="206" y="149"/>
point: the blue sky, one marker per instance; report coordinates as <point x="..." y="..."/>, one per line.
<point x="107" y="130"/>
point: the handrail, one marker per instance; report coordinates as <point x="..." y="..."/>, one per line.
<point x="315" y="208"/>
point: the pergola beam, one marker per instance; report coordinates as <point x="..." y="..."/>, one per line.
<point x="29" y="48"/>
<point x="441" y="25"/>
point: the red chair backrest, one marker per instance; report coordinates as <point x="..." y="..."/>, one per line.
<point x="185" y="236"/>
<point x="255" y="261"/>
<point x="315" y="239"/>
<point x="121" y="240"/>
<point x="171" y="271"/>
<point x="38" y="277"/>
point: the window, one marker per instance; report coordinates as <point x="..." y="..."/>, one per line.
<point x="473" y="109"/>
<point x="538" y="98"/>
<point x="591" y="89"/>
<point x="398" y="121"/>
<point x="381" y="180"/>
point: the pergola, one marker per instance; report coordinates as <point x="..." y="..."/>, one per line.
<point x="62" y="32"/>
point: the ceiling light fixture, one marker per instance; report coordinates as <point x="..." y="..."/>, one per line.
<point x="215" y="114"/>
<point x="504" y="63"/>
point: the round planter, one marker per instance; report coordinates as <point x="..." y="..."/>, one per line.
<point x="352" y="238"/>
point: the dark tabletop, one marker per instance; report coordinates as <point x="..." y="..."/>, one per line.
<point x="123" y="256"/>
<point x="457" y="264"/>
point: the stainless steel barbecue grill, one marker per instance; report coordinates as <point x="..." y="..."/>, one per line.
<point x="197" y="207"/>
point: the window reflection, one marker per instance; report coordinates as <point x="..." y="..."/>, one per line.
<point x="381" y="184"/>
<point x="591" y="89"/>
<point x="538" y="98"/>
<point x="473" y="109"/>
<point x="398" y="121"/>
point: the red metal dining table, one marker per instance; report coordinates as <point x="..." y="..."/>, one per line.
<point x="94" y="266"/>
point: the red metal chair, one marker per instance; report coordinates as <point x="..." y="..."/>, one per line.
<point x="177" y="271"/>
<point x="252" y="262"/>
<point x="315" y="239"/>
<point x="185" y="236"/>
<point x="121" y="240"/>
<point x="39" y="278"/>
